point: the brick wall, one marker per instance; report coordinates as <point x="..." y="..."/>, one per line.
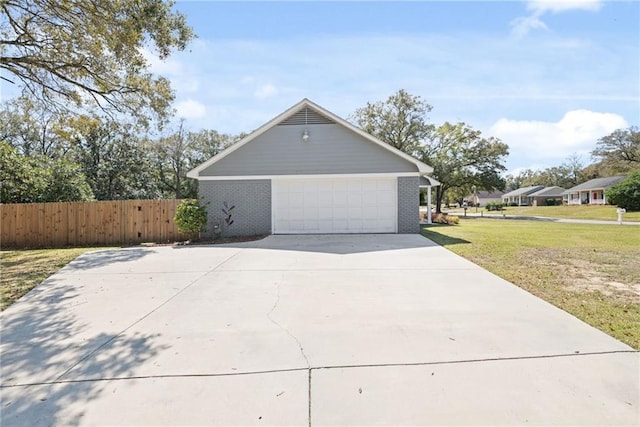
<point x="252" y="212"/>
<point x="408" y="204"/>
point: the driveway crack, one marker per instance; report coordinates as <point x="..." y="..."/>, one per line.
<point x="287" y="331"/>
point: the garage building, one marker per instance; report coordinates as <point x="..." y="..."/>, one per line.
<point x="308" y="171"/>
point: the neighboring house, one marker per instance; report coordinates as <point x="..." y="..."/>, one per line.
<point x="520" y="197"/>
<point x="547" y="196"/>
<point x="309" y="171"/>
<point x="592" y="192"/>
<point x="481" y="198"/>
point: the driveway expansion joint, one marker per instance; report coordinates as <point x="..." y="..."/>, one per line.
<point x="309" y="368"/>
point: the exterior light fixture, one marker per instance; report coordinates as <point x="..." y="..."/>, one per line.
<point x="305" y="135"/>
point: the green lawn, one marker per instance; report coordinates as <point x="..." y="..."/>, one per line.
<point x="590" y="271"/>
<point x="22" y="270"/>
<point x="605" y="212"/>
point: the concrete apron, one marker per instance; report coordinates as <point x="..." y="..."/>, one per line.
<point x="295" y="330"/>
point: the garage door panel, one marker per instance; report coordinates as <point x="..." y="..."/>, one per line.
<point x="340" y="198"/>
<point x="337" y="205"/>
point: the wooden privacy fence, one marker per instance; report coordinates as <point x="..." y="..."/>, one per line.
<point x="47" y="225"/>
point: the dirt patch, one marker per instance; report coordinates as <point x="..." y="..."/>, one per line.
<point x="616" y="275"/>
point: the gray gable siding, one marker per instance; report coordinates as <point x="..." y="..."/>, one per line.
<point x="331" y="149"/>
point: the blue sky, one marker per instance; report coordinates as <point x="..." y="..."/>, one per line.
<point x="547" y="77"/>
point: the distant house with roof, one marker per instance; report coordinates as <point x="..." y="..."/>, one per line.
<point x="520" y="197"/>
<point x="481" y="198"/>
<point x="548" y="196"/>
<point x="592" y="192"/>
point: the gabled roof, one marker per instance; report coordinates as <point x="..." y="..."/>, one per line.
<point x="484" y="194"/>
<point x="194" y="173"/>
<point x="597" y="184"/>
<point x="548" y="192"/>
<point x="524" y="191"/>
<point x="427" y="181"/>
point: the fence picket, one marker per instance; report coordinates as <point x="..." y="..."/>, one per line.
<point x="37" y="225"/>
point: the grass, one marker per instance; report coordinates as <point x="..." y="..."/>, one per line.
<point x="605" y="212"/>
<point x="22" y="270"/>
<point x="591" y="271"/>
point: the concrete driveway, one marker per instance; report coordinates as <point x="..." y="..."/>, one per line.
<point x="299" y="330"/>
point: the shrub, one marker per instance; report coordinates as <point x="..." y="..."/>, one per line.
<point x="626" y="193"/>
<point x="494" y="206"/>
<point x="445" y="219"/>
<point x="190" y="217"/>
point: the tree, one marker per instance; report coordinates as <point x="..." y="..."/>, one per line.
<point x="462" y="158"/>
<point x="21" y="180"/>
<point x="513" y="182"/>
<point x="32" y="128"/>
<point x="459" y="155"/>
<point x="84" y="52"/>
<point x="626" y="194"/>
<point x="620" y="151"/>
<point x="66" y="182"/>
<point x="400" y="121"/>
<point x="27" y="179"/>
<point x="174" y="155"/>
<point x="116" y="164"/>
<point x="567" y="175"/>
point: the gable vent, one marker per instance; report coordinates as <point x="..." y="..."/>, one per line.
<point x="306" y="116"/>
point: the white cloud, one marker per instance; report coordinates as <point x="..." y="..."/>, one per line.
<point x="191" y="109"/>
<point x="521" y="26"/>
<point x="557" y="6"/>
<point x="576" y="132"/>
<point x="266" y="91"/>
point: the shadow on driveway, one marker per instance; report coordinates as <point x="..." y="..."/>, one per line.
<point x="102" y="258"/>
<point x="42" y="339"/>
<point x="338" y="244"/>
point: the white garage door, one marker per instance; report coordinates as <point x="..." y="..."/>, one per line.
<point x="339" y="205"/>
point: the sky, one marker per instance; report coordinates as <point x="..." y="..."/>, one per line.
<point x="546" y="77"/>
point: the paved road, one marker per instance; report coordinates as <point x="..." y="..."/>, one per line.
<point x="547" y="219"/>
<point x="299" y="330"/>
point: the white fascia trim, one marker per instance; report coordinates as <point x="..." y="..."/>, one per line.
<point x="312" y="176"/>
<point x="434" y="182"/>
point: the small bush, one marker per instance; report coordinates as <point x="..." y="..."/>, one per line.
<point x="190" y="217"/>
<point x="494" y="206"/>
<point x="626" y="194"/>
<point x="445" y="219"/>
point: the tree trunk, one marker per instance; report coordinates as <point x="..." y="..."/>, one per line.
<point x="439" y="194"/>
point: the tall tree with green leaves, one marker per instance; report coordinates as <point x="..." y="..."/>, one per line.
<point x="619" y="151"/>
<point x="114" y="160"/>
<point x="462" y="158"/>
<point x="89" y="52"/>
<point x="32" y="128"/>
<point x="35" y="179"/>
<point x="176" y="154"/>
<point x="401" y="121"/>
